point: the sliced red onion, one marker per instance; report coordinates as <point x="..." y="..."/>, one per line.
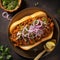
<point x="25" y="28"/>
<point x="35" y="21"/>
<point x="19" y="33"/>
<point x="41" y="23"/>
<point x="38" y="26"/>
<point x="24" y="35"/>
<point x="17" y="37"/>
<point x="28" y="35"/>
<point x="38" y="21"/>
<point x="6" y="15"/>
<point x="36" y="29"/>
<point x="39" y="33"/>
<point x="33" y="28"/>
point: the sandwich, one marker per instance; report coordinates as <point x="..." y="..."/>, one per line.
<point x="31" y="30"/>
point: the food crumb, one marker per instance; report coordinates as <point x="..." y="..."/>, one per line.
<point x="37" y="3"/>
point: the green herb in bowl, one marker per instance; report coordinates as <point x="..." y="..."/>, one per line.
<point x="9" y="4"/>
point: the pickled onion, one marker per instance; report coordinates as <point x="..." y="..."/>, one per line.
<point x="36" y="28"/>
<point x="6" y="15"/>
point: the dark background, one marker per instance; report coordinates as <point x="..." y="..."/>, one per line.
<point x="52" y="6"/>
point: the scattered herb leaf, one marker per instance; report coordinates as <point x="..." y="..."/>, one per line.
<point x="1" y="57"/>
<point x="1" y="48"/>
<point x="4" y="53"/>
<point x="8" y="57"/>
<point x="58" y="11"/>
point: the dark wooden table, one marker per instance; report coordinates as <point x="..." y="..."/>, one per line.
<point x="52" y="6"/>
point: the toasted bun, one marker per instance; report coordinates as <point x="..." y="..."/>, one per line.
<point x="26" y="18"/>
<point x="39" y="13"/>
<point x="39" y="42"/>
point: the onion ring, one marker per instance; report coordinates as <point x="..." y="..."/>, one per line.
<point x="6" y="15"/>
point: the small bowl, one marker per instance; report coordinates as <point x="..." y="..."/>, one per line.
<point x="1" y="6"/>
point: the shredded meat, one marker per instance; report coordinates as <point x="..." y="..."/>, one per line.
<point x="26" y="41"/>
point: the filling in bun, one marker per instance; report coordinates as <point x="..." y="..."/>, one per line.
<point x="31" y="31"/>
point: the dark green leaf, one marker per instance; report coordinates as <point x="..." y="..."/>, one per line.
<point x="1" y="48"/>
<point x="6" y="49"/>
<point x="2" y="53"/>
<point x="1" y="57"/>
<point x="8" y="57"/>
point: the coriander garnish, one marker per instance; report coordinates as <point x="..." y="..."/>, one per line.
<point x="9" y="4"/>
<point x="4" y="53"/>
